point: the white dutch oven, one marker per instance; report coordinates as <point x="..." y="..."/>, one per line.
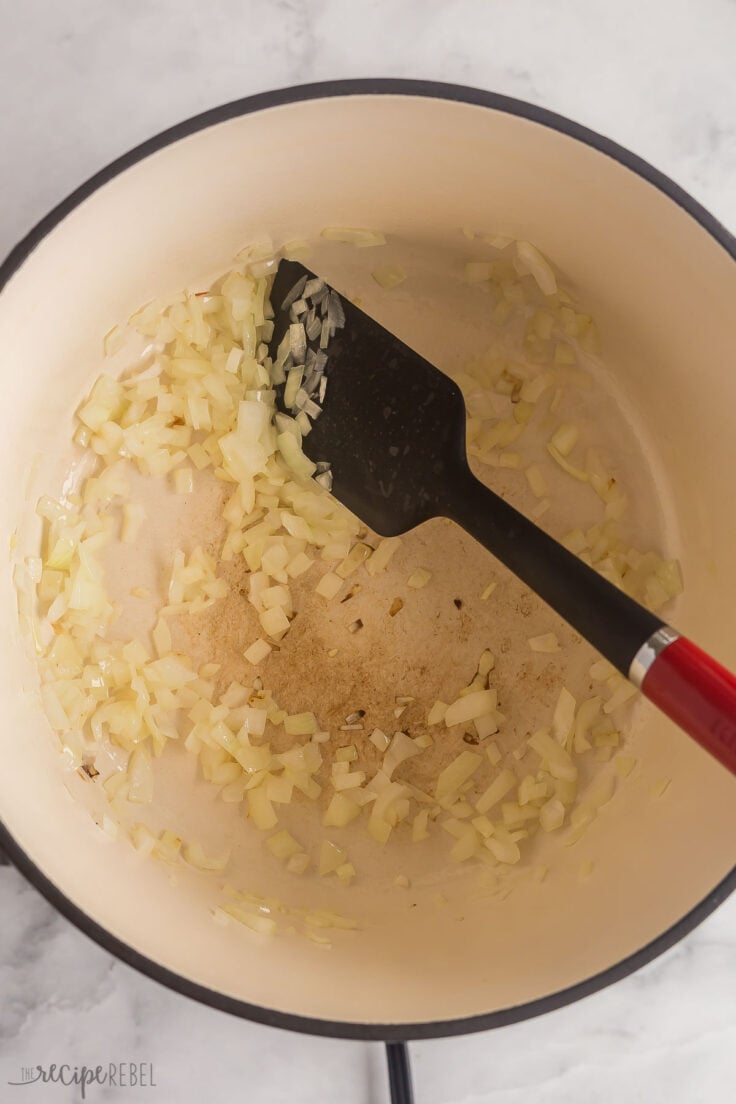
<point x="418" y="161"/>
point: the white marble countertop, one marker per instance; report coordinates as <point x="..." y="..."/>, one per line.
<point x="83" y="81"/>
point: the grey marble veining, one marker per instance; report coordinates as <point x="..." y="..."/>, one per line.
<point x="83" y="81"/>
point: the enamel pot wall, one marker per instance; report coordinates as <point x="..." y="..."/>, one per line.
<point x="418" y="161"/>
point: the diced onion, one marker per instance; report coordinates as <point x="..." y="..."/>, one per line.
<point x="353" y="236"/>
<point x="535" y="264"/>
<point x="552" y="815"/>
<point x="471" y="706"/>
<point x="564" y="716"/>
<point x="357" y="555"/>
<point x="257" y="651"/>
<point x="379" y="739"/>
<point x="133" y="517"/>
<point x="565" y="438"/>
<point x="195" y="855"/>
<point x="283" y="845"/>
<point x="329" y="585"/>
<point x="379" y="560"/>
<point x="419" y="578"/>
<point x="621" y="696"/>
<point x="300" y="724"/>
<point x="330" y="857"/>
<point x="502" y="784"/>
<point x="535" y="479"/>
<point x="547" y="642"/>
<point x="559" y="762"/>
<point x="390" y="276"/>
<point x="459" y="771"/>
<point x="402" y="747"/>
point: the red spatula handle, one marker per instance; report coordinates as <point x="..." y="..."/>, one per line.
<point x="692" y="689"/>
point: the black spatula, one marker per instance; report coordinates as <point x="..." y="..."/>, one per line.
<point x="392" y="430"/>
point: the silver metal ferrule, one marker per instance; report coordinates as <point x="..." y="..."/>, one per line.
<point x="649" y="651"/>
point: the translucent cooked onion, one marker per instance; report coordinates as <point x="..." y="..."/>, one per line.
<point x="206" y="404"/>
<point x="388" y="277"/>
<point x="354" y="236"/>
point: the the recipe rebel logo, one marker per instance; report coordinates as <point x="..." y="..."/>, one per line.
<point x="118" y="1075"/>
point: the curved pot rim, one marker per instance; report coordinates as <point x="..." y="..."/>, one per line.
<point x="56" y="897"/>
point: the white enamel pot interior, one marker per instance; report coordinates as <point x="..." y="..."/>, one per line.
<point x="418" y="161"/>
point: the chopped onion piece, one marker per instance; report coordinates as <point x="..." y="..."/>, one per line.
<point x="260" y="809"/>
<point x="297" y="250"/>
<point x="183" y="481"/>
<point x="340" y="811"/>
<point x="300" y="724"/>
<point x="505" y="850"/>
<point x="471" y="706"/>
<point x="584" y="718"/>
<point x="552" y="815"/>
<point x="402" y="747"/>
<point x="298" y="565"/>
<point x="298" y="863"/>
<point x="547" y="643"/>
<point x="624" y="765"/>
<point x="459" y="771"/>
<point x="536" y="480"/>
<point x="293" y="456"/>
<point x="437" y="713"/>
<point x="540" y="509"/>
<point x="330" y="858"/>
<point x="329" y="585"/>
<point x="532" y="389"/>
<point x="133" y="517"/>
<point x="486" y="726"/>
<point x="502" y="784"/>
<point x="379" y="559"/>
<point x="379" y="739"/>
<point x="535" y="264"/>
<point x="162" y="637"/>
<point x="274" y="622"/>
<point x="350" y="781"/>
<point x="140" y="777"/>
<point x="390" y="276"/>
<point x="498" y="241"/>
<point x="559" y="762"/>
<point x="601" y="670"/>
<point x="167" y="846"/>
<point x="565" y="438"/>
<point x="283" y="845"/>
<point x="383" y="811"/>
<point x="257" y="651"/>
<point x="623" y="694"/>
<point x="419" y="826"/>
<point x="576" y="473"/>
<point x="194" y="854"/>
<point x="354" y="236"/>
<point x="263" y="925"/>
<point x="357" y="555"/>
<point x="494" y="755"/>
<point x="419" y="578"/>
<point x="487" y="662"/>
<point x="564" y="716"/>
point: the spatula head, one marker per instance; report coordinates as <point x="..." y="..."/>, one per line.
<point x="392" y="426"/>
